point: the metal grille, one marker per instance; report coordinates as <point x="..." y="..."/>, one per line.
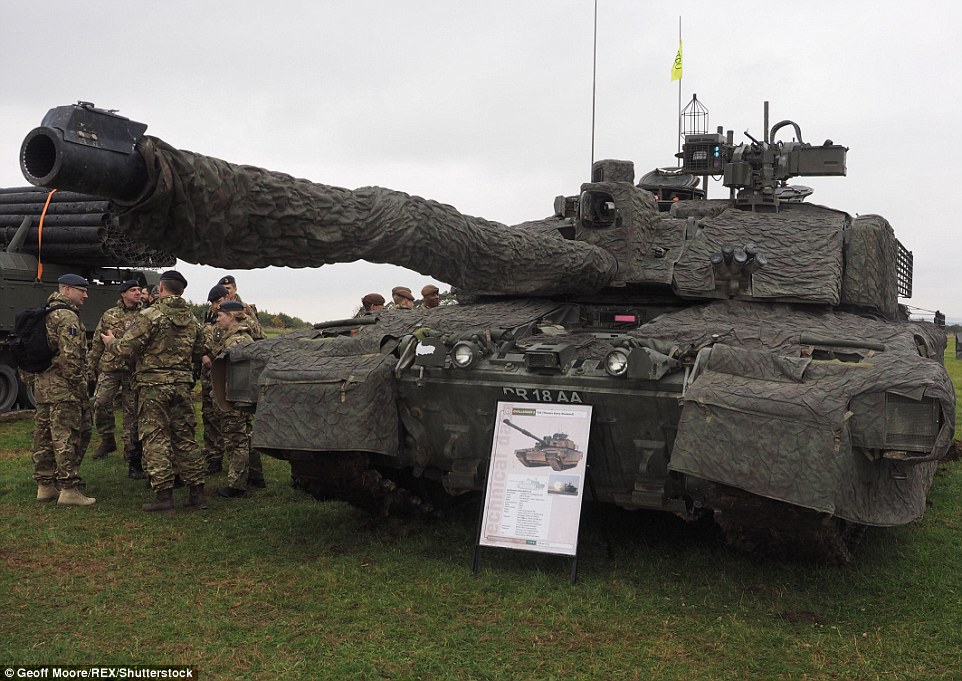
<point x="904" y="270"/>
<point x="910" y="424"/>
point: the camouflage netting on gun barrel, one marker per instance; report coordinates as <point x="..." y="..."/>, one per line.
<point x="212" y="212"/>
<point x="767" y="414"/>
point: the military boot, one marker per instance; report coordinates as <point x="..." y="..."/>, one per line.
<point x="71" y="496"/>
<point x="214" y="466"/>
<point x="164" y="503"/>
<point x="47" y="492"/>
<point x="135" y="466"/>
<point x="195" y="497"/>
<point x="107" y="444"/>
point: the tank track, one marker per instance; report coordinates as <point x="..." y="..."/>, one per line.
<point x="772" y="529"/>
<point x="348" y="476"/>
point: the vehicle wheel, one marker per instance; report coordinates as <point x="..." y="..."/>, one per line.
<point x="25" y="397"/>
<point x="9" y="387"/>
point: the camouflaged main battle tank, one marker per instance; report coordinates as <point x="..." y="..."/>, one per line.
<point x="744" y="358"/>
<point x="556" y="451"/>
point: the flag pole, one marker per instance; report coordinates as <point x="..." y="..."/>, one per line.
<point x="679" y="96"/>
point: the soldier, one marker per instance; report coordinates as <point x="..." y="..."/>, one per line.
<point x="372" y="302"/>
<point x="114" y="377"/>
<point x="228" y="282"/>
<point x="210" y="413"/>
<point x="431" y="295"/>
<point x="403" y="298"/>
<point x="165" y="339"/>
<point x="244" y="465"/>
<point x="60" y="393"/>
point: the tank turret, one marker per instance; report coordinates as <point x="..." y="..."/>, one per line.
<point x="745" y="358"/>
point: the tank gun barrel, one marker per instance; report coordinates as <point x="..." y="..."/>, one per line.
<point x="541" y="440"/>
<point x="213" y="212"/>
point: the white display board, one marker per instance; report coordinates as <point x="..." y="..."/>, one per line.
<point x="535" y="482"/>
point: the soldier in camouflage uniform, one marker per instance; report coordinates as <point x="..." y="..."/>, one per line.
<point x="60" y="393"/>
<point x="114" y="377"/>
<point x="244" y="465"/>
<point x="213" y="439"/>
<point x="253" y="323"/>
<point x="165" y="339"/>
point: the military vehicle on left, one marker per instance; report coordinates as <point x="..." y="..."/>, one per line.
<point x="78" y="234"/>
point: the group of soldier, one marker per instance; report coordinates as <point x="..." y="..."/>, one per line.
<point x="148" y="356"/>
<point x="401" y="299"/>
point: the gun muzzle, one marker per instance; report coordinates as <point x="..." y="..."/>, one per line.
<point x="84" y="149"/>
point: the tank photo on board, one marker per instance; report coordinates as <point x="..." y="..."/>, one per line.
<point x="556" y="451"/>
<point x="745" y="358"/>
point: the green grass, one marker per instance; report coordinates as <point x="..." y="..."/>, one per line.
<point x="282" y="586"/>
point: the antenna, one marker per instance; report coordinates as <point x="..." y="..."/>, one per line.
<point x="594" y="78"/>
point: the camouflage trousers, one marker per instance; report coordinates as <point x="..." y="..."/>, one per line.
<point x="243" y="463"/>
<point x="61" y="434"/>
<point x="211" y="415"/>
<point x="166" y="425"/>
<point x="110" y="384"/>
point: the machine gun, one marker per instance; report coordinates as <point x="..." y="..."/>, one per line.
<point x="759" y="170"/>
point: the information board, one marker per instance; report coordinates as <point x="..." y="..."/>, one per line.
<point x="536" y="477"/>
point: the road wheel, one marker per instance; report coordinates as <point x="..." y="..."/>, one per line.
<point x="9" y="387"/>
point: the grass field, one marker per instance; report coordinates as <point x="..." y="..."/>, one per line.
<point x="282" y="586"/>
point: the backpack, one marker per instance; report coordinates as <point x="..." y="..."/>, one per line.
<point x="28" y="339"/>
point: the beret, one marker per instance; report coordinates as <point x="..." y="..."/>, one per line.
<point x="73" y="280"/>
<point x="173" y="275"/>
<point x="403" y="292"/>
<point x="227" y="279"/>
<point x="231" y="306"/>
<point x="429" y="289"/>
<point x="216" y="293"/>
<point x="127" y="285"/>
<point x="372" y="299"/>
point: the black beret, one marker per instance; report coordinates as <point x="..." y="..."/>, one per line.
<point x="227" y="279"/>
<point x="73" y="280"/>
<point x="127" y="285"/>
<point x="216" y="293"/>
<point x="231" y="306"/>
<point x="174" y="275"/>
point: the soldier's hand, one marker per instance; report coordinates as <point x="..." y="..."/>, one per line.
<point x="108" y="338"/>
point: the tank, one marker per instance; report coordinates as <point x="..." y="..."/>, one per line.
<point x="79" y="234"/>
<point x="556" y="451"/>
<point x="746" y="358"/>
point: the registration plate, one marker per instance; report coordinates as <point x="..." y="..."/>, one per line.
<point x="542" y="395"/>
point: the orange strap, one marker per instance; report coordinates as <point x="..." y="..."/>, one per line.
<point x="40" y="235"/>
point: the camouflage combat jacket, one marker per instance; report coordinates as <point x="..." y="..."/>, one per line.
<point x="116" y="319"/>
<point x="253" y="323"/>
<point x="227" y="339"/>
<point x="66" y="378"/>
<point x="165" y="339"/>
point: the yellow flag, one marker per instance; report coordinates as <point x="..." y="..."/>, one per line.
<point x="676" y="67"/>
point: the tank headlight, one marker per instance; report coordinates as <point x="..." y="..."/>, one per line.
<point x="463" y="354"/>
<point x="616" y="362"/>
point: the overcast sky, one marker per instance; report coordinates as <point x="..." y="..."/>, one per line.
<point x="487" y="106"/>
